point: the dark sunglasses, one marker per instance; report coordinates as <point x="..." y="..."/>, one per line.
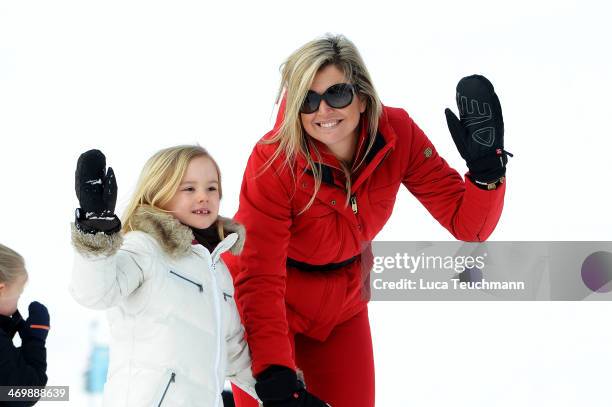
<point x="337" y="96"/>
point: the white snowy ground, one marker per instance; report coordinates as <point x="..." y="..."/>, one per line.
<point x="131" y="78"/>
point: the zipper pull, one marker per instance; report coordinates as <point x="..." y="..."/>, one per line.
<point x="226" y="296"/>
<point x="354" y="204"/>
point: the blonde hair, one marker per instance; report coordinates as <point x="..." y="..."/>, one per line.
<point x="160" y="179"/>
<point x="298" y="73"/>
<point x="12" y="265"/>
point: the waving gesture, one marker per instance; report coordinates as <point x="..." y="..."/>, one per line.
<point x="96" y="190"/>
<point x="479" y="132"/>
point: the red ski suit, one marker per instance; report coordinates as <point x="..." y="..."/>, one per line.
<point x="277" y="300"/>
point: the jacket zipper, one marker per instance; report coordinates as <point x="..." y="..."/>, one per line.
<point x="200" y="286"/>
<point x="354" y="204"/>
<point x="226" y="296"/>
<point x="171" y="380"/>
<point x="218" y="317"/>
<point x="353" y="199"/>
<point x="354" y="196"/>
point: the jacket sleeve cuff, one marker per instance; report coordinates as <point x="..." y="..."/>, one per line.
<point x="99" y="244"/>
<point x="488" y="204"/>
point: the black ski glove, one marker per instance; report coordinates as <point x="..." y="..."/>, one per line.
<point x="278" y="386"/>
<point x="37" y="325"/>
<point x="96" y="190"/>
<point x="479" y="134"/>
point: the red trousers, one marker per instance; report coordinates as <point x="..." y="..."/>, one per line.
<point x="339" y="371"/>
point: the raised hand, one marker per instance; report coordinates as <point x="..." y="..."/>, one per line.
<point x="479" y="132"/>
<point x="96" y="190"/>
<point x="37" y="325"/>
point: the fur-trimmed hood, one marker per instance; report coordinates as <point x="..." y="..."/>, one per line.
<point x="176" y="238"/>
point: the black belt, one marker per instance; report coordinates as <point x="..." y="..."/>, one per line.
<point x="320" y="267"/>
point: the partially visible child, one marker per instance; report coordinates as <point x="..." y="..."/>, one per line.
<point x="175" y="329"/>
<point x="26" y="365"/>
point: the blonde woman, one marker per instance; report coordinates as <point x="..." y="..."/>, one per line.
<point x="318" y="188"/>
<point x="26" y="365"/>
<point x="176" y="333"/>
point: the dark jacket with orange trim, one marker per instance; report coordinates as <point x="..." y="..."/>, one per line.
<point x="23" y="366"/>
<point x="275" y="297"/>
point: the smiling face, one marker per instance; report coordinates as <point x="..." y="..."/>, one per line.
<point x="10" y="293"/>
<point x="196" y="202"/>
<point x="336" y="128"/>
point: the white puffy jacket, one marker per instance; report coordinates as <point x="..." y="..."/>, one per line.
<point x="176" y="333"/>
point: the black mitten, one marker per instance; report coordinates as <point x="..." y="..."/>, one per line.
<point x="37" y="325"/>
<point x="278" y="386"/>
<point x="96" y="190"/>
<point x="479" y="133"/>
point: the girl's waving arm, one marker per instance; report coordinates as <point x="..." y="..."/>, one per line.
<point x="108" y="268"/>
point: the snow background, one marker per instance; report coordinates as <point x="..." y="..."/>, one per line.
<point x="130" y="78"/>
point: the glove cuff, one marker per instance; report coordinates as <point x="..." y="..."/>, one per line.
<point x="490" y="168"/>
<point x="32" y="331"/>
<point x="94" y="223"/>
<point x="488" y="186"/>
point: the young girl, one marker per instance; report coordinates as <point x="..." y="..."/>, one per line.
<point x="27" y="365"/>
<point x="176" y="333"/>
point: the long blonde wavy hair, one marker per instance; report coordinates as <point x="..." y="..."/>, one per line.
<point x="160" y="179"/>
<point x="297" y="75"/>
